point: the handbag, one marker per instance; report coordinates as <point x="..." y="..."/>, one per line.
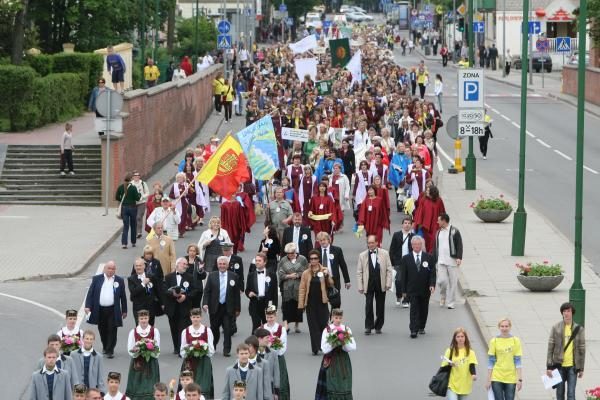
<point x="119" y="208"/>
<point x="334" y="297"/>
<point x="439" y="382"/>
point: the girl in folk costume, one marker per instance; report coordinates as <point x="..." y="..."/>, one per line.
<point x="416" y="177"/>
<point x="295" y="171"/>
<point x="431" y="206"/>
<point x="335" y="375"/>
<point x="179" y="192"/>
<point x="198" y="336"/>
<point x="201" y="192"/>
<point x="70" y="334"/>
<point x="371" y="216"/>
<point x="272" y="346"/>
<point x="290" y="195"/>
<point x="305" y="192"/>
<point x="322" y="211"/>
<point x="382" y="192"/>
<point x="339" y="186"/>
<point x="143" y="374"/>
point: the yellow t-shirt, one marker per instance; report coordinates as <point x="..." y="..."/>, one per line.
<point x="151" y="73"/>
<point x="422" y="76"/>
<point x="461" y="381"/>
<point x="227" y="91"/>
<point x="505" y="350"/>
<point x="568" y="356"/>
<point x="217" y="85"/>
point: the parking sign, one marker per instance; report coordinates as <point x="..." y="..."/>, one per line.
<point x="470" y="88"/>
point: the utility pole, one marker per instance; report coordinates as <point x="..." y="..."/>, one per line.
<point x="520" y="218"/>
<point x="504" y="37"/>
<point x="195" y="55"/>
<point x="530" y="62"/>
<point x="471" y="170"/>
<point x="156" y="30"/>
<point x="143" y="38"/>
<point x="577" y="292"/>
<point x="451" y="44"/>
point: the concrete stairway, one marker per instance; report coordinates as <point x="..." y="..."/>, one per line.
<point x="31" y="175"/>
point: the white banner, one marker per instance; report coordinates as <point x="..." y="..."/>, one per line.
<point x="300" y="135"/>
<point x="306" y="44"/>
<point x="320" y="50"/>
<point x="307" y="66"/>
<point x="355" y="68"/>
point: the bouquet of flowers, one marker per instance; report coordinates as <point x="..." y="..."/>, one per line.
<point x="146" y="348"/>
<point x="196" y="349"/>
<point x="593" y="394"/>
<point x="70" y="343"/>
<point x="275" y="342"/>
<point x="539" y="269"/>
<point x="339" y="336"/>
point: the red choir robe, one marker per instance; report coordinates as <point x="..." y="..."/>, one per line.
<point x="320" y="205"/>
<point x="294" y="174"/>
<point x="426" y="216"/>
<point x="371" y="215"/>
<point x="233" y="220"/>
<point x="305" y="193"/>
<point x="334" y="191"/>
<point x="249" y="217"/>
<point x="383" y="194"/>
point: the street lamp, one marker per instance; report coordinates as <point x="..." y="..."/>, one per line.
<point x="195" y="55"/>
<point x="471" y="170"/>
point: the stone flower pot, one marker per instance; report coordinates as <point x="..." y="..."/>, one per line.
<point x="540" y="283"/>
<point x="489" y="215"/>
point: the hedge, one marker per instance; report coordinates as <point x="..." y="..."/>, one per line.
<point x="16" y="87"/>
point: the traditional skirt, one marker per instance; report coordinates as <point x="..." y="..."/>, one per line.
<point x="284" y="380"/>
<point x="335" y="377"/>
<point x="141" y="379"/>
<point x="203" y="374"/>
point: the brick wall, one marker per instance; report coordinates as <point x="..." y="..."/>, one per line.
<point x="592" y="83"/>
<point x="157" y="123"/>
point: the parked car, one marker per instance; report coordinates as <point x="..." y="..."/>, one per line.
<point x="313" y="14"/>
<point x="574" y="59"/>
<point x="358" y="16"/>
<point x="345" y="8"/>
<point x="350" y="9"/>
<point x="536" y="61"/>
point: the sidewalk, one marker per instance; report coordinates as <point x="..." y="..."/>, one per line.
<point x="488" y="277"/>
<point x="49" y="241"/>
<point x="83" y="133"/>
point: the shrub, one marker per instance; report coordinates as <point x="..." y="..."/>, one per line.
<point x="539" y="269"/>
<point x="491" y="203"/>
<point x="42" y="63"/>
<point x="16" y="86"/>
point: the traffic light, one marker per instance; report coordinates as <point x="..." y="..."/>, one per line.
<point x="461" y="24"/>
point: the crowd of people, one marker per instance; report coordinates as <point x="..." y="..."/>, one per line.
<point x="370" y="143"/>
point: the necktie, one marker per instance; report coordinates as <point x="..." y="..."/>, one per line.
<point x="419" y="262"/>
<point x="325" y="256"/>
<point x="222" y="288"/>
<point x="296" y="234"/>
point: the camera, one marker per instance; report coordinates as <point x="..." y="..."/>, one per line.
<point x="175" y="291"/>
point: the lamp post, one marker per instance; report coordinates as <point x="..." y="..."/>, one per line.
<point x="577" y="292"/>
<point x="504" y="37"/>
<point x="471" y="170"/>
<point x="520" y="218"/>
<point x="195" y="55"/>
<point x="156" y="29"/>
<point x="143" y="38"/>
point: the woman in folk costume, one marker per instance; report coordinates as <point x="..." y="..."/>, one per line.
<point x="362" y="179"/>
<point x="335" y="376"/>
<point x="179" y="192"/>
<point x="322" y="212"/>
<point x="371" y="215"/>
<point x="143" y="374"/>
<point x="426" y="215"/>
<point x="198" y="335"/>
<point x="295" y="171"/>
<point x="70" y="330"/>
<point x="277" y="330"/>
<point x="306" y="189"/>
<point x="340" y="187"/>
<point x="201" y="192"/>
<point x="416" y="177"/>
<point x="382" y="192"/>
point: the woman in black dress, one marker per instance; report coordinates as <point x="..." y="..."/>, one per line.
<point x="271" y="246"/>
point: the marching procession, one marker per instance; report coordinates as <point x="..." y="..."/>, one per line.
<point x="362" y="164"/>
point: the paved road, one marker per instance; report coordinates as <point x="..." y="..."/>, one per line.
<point x="550" y="178"/>
<point x="392" y="359"/>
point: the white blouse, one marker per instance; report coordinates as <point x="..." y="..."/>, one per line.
<point x="143" y="332"/>
<point x="196" y="334"/>
<point x="283" y="337"/>
<point x="327" y="348"/>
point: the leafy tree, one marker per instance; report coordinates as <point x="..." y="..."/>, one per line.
<point x="207" y="36"/>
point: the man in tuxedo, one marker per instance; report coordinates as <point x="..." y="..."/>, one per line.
<point x="374" y="277"/>
<point x="332" y="257"/>
<point x="179" y="290"/>
<point x="106" y="306"/>
<point x="261" y="289"/>
<point x="144" y="291"/>
<point x="222" y="302"/>
<point x="299" y="235"/>
<point x="418" y="283"/>
<point x="399" y="247"/>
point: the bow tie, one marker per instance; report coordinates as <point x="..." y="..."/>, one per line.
<point x="372" y="251"/>
<point x="260" y="272"/>
<point x="179" y="273"/>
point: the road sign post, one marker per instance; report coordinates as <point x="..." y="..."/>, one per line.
<point x="470" y="115"/>
<point x="471" y="164"/>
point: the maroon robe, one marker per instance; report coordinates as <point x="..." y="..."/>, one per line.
<point x="320" y="205"/>
<point x="233" y="221"/>
<point x="383" y="194"/>
<point x="295" y="174"/>
<point x="186" y="219"/>
<point x="372" y="217"/>
<point x="426" y="216"/>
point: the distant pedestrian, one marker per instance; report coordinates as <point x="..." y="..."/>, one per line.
<point x="507" y="62"/>
<point x="178" y="73"/>
<point x="66" y="150"/>
<point x="439" y="90"/>
<point x="170" y="71"/>
<point x="142" y="189"/>
<point x="128" y="196"/>
<point x="106" y="306"/>
<point x="566" y="352"/>
<point x="504" y="363"/>
<point x="493" y="56"/>
<point x="483" y="54"/>
<point x="444" y="54"/>
<point x="186" y="66"/>
<point x="217" y="85"/>
<point x="227" y="95"/>
<point x="116" y="66"/>
<point x="151" y="74"/>
<point x="448" y="252"/>
<point x="483" y="140"/>
<point x="461" y="360"/>
<point x="404" y="44"/>
<point x="411" y="46"/>
<point x="413" y="80"/>
<point x="422" y="79"/>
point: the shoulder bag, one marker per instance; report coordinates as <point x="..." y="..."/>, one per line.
<point x="119" y="209"/>
<point x="439" y="382"/>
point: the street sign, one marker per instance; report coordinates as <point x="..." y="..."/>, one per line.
<point x="224" y="27"/>
<point x="471" y="115"/>
<point x="290" y="21"/>
<point x="223" y="41"/>
<point x="478" y="27"/>
<point x="471" y="129"/>
<point x="427" y="8"/>
<point x="563" y="44"/>
<point x="542" y="45"/>
<point x="282" y="7"/>
<point x="109" y="104"/>
<point x="535" y="27"/>
<point x="470" y="88"/>
<point x="452" y="127"/>
<point x="462" y="10"/>
<point x="439" y="9"/>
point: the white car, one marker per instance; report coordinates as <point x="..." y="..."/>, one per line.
<point x="359" y="9"/>
<point x="345" y="8"/>
<point x="313" y="15"/>
<point x="358" y="17"/>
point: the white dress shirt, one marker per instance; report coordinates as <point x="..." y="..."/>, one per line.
<point x="261" y="281"/>
<point x="405" y="243"/>
<point x="373" y="256"/>
<point x="107" y="294"/>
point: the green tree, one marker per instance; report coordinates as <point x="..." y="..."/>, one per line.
<point x="207" y="36"/>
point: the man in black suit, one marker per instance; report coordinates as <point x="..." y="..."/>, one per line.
<point x="399" y="247"/>
<point x="179" y="290"/>
<point x="236" y="264"/>
<point x="145" y="291"/>
<point x="279" y="69"/>
<point x="299" y="235"/>
<point x="106" y="306"/>
<point x="418" y="282"/>
<point x="261" y="289"/>
<point x="222" y="302"/>
<point x="332" y="258"/>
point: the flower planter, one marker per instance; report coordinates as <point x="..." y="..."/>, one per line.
<point x="489" y="215"/>
<point x="540" y="283"/>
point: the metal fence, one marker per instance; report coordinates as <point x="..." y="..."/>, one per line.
<point x="553" y="43"/>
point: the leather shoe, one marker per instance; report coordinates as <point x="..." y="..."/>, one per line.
<point x="378" y="331"/>
<point x="226" y="354"/>
<point x="367" y="331"/>
<point x="413" y="335"/>
<point x="421" y="331"/>
<point x="110" y="355"/>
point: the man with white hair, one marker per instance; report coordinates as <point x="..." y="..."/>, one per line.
<point x="418" y="283"/>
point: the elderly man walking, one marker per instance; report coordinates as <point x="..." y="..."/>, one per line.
<point x="106" y="306"/>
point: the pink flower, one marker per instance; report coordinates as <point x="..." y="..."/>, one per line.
<point x="339" y="329"/>
<point x="150" y="346"/>
<point x="341" y="337"/>
<point x="501" y="196"/>
<point x="68" y="340"/>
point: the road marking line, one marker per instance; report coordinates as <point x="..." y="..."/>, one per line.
<point x="35" y="303"/>
<point x="505" y="117"/>
<point x="494" y="110"/>
<point x="439" y="164"/>
<point x="446" y="156"/>
<point x="593" y="171"/>
<point x="14" y="216"/>
<point x="531" y="135"/>
<point x="563" y="155"/>
<point x="81" y="312"/>
<point x="516" y="125"/>
<point x="540" y="141"/>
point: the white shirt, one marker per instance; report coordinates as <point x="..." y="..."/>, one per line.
<point x="373" y="257"/>
<point x="273" y="329"/>
<point x="117" y="396"/>
<point x="197" y="333"/>
<point x="70" y="332"/>
<point x="143" y="333"/>
<point x="326" y="347"/>
<point x="328" y="258"/>
<point x="420" y="255"/>
<point x="179" y="74"/>
<point x="107" y="294"/>
<point x="261" y="281"/>
<point x="296" y="238"/>
<point x="48" y="372"/>
<point x="405" y="243"/>
<point x="444" y="247"/>
<point x="243" y="54"/>
<point x="170" y="219"/>
<point x="178" y="277"/>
